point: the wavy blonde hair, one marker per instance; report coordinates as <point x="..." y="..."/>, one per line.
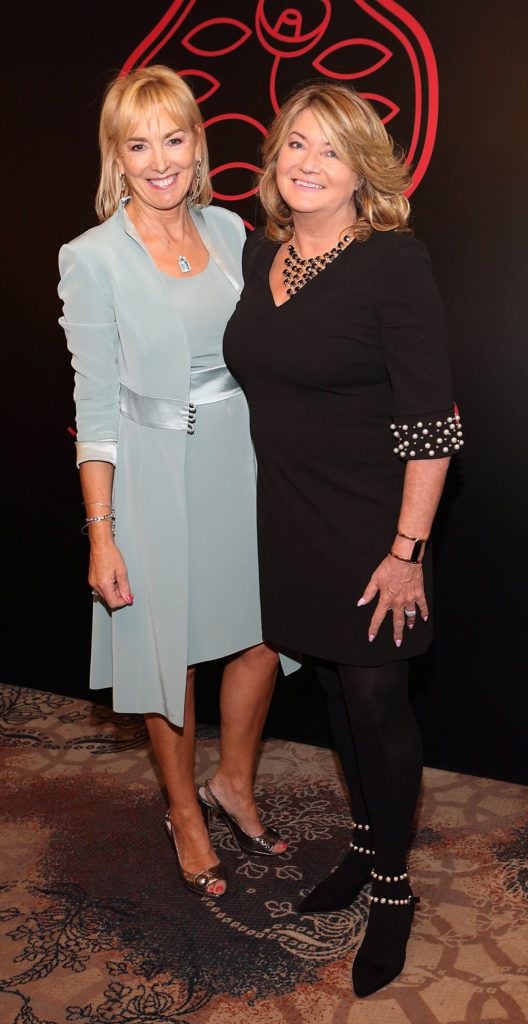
<point x="126" y="99"/>
<point x="361" y="141"/>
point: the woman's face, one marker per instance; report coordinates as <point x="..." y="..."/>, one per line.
<point x="310" y="176"/>
<point x="159" y="160"/>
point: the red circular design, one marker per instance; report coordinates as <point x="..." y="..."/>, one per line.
<point x="293" y="44"/>
<point x="294" y="32"/>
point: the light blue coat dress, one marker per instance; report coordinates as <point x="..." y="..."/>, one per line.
<point x="141" y="405"/>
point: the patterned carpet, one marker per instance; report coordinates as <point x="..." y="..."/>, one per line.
<point x="96" y="928"/>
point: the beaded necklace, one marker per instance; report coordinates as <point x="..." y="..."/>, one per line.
<point x="297" y="271"/>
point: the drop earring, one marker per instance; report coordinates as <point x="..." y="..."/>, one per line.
<point x="124" y="190"/>
<point x="195" y="188"/>
<point x="183" y="262"/>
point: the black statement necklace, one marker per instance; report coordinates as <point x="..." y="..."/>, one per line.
<point x="297" y="271"/>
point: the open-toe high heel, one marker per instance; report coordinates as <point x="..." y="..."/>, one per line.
<point x="198" y="881"/>
<point x="262" y="844"/>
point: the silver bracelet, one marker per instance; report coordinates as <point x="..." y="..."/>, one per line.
<point x="90" y="520"/>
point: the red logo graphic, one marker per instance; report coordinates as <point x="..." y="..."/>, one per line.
<point x="240" y="69"/>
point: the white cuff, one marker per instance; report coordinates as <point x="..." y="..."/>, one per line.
<point x="96" y="451"/>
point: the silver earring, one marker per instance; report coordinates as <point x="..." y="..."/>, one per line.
<point x="124" y="189"/>
<point x="195" y="187"/>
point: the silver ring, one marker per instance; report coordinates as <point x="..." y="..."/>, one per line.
<point x="411" y="614"/>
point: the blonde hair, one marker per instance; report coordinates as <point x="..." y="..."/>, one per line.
<point x="360" y="140"/>
<point x="126" y="99"/>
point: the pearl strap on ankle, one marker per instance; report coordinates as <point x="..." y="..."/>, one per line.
<point x="392" y="903"/>
<point x="405" y="902"/>
<point x="361" y="849"/>
<point x="389" y="878"/>
<point x="355" y="846"/>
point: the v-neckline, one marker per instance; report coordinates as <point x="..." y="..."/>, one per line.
<point x="200" y="222"/>
<point x="270" y="290"/>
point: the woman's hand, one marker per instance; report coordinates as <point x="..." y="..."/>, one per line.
<point x="400" y="586"/>
<point x="107" y="574"/>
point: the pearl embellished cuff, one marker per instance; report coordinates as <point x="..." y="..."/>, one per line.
<point x="428" y="438"/>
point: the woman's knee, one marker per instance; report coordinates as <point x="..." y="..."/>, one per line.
<point x="376" y="694"/>
<point x="260" y="658"/>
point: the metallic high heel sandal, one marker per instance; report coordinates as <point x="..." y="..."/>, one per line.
<point x="262" y="844"/>
<point x="198" y="881"/>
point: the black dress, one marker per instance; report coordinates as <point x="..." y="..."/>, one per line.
<point x="345" y="381"/>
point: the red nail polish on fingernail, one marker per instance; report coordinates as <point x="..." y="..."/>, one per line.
<point x="129" y="598"/>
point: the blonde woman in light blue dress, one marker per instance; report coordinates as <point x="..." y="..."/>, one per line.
<point x="166" y="463"/>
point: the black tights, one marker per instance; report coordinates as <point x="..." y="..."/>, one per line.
<point x="380" y="749"/>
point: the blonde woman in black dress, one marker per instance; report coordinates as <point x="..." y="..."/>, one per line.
<point x="339" y="342"/>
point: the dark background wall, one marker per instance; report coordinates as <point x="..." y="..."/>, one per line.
<point x="470" y="691"/>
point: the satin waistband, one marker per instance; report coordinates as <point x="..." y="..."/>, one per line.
<point x="212" y="384"/>
<point x="167" y="413"/>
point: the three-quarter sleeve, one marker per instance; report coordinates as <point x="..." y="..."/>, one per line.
<point x="426" y="422"/>
<point x="92" y="338"/>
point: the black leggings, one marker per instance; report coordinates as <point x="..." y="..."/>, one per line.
<point x="380" y="749"/>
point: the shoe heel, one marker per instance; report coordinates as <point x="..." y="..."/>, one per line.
<point x="262" y="844"/>
<point x="373" y="970"/>
<point x="207" y="813"/>
<point x="207" y="809"/>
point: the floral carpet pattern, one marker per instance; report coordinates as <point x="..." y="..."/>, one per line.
<point x="96" y="928"/>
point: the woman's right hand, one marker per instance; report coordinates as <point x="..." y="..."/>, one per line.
<point x="107" y="574"/>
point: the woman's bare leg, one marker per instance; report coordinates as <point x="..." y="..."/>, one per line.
<point x="174" y="750"/>
<point x="248" y="682"/>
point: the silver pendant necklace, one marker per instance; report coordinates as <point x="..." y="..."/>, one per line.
<point x="184" y="265"/>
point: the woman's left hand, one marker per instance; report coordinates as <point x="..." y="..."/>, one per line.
<point x="401" y="589"/>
